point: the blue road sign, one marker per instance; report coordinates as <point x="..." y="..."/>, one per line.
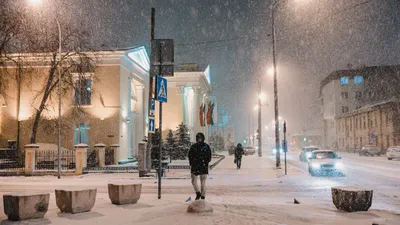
<point x="152" y="104"/>
<point x="162" y="89"/>
<point x="151" y="125"/>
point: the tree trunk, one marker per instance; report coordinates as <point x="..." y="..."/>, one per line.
<point x="48" y="89"/>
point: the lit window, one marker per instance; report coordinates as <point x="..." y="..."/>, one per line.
<point x="82" y="91"/>
<point x="358" y="79"/>
<point x="344" y="80"/>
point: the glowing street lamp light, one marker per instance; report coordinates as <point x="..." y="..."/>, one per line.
<point x="270" y="71"/>
<point x="262" y="96"/>
<point x="35" y="2"/>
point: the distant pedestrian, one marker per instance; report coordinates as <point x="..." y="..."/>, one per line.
<point x="199" y="158"/>
<point x="239" y="151"/>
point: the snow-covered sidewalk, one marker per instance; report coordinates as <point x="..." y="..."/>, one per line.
<point x="256" y="194"/>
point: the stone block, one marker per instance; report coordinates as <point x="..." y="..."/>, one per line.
<point x="75" y="200"/>
<point x="199" y="206"/>
<point x="25" y="206"/>
<point x="121" y="194"/>
<point x="352" y="199"/>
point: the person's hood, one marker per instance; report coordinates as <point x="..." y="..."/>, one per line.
<point x="200" y="135"/>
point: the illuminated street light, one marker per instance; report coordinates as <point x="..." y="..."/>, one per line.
<point x="35" y="2"/>
<point x="270" y="71"/>
<point x="262" y="96"/>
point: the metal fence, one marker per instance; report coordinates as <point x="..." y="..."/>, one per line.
<point x="109" y="156"/>
<point x="48" y="160"/>
<point x="11" y="159"/>
<point x="92" y="158"/>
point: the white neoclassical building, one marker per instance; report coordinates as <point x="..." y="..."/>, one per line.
<point x="113" y="100"/>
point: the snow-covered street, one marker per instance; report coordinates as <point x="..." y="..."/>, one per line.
<point x="256" y="194"/>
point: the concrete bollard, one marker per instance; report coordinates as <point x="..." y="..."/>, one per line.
<point x="80" y="158"/>
<point x="25" y="206"/>
<point x="116" y="153"/>
<point x="101" y="152"/>
<point x="30" y="155"/>
<point x="75" y="200"/>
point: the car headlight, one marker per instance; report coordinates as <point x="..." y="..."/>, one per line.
<point x="339" y="165"/>
<point x="274" y="151"/>
<point x="315" y="165"/>
<point x="308" y="154"/>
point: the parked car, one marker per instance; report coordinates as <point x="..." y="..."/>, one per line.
<point x="393" y="152"/>
<point x="306" y="153"/>
<point x="325" y="162"/>
<point x="249" y="150"/>
<point x="370" y="150"/>
<point x="232" y="150"/>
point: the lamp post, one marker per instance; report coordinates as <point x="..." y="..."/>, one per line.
<point x="37" y="2"/>
<point x="277" y="140"/>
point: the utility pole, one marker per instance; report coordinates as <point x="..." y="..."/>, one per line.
<point x="277" y="140"/>
<point x="259" y="121"/>
<point x="285" y="144"/>
<point x="249" y="142"/>
<point x="151" y="78"/>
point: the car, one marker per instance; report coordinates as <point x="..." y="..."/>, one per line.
<point x="370" y="150"/>
<point x="325" y="162"/>
<point x="306" y="152"/>
<point x="250" y="150"/>
<point x="274" y="151"/>
<point x="393" y="152"/>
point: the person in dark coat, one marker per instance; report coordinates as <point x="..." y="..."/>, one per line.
<point x="239" y="151"/>
<point x="199" y="158"/>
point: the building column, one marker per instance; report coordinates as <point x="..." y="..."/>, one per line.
<point x="140" y="118"/>
<point x="197" y="94"/>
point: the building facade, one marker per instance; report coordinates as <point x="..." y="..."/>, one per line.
<point x="109" y="105"/>
<point x="344" y="91"/>
<point x="377" y="125"/>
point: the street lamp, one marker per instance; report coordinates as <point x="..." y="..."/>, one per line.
<point x="277" y="140"/>
<point x="35" y="3"/>
<point x="270" y="71"/>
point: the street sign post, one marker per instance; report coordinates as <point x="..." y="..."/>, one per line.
<point x="151" y="125"/>
<point x="162" y="57"/>
<point x="285" y="145"/>
<point x="161" y="64"/>
<point x="162" y="89"/>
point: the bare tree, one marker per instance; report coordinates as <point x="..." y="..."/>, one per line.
<point x="40" y="41"/>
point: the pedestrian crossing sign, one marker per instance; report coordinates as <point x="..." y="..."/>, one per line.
<point x="162" y="89"/>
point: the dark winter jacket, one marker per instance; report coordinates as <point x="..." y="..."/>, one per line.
<point x="239" y="151"/>
<point x="199" y="158"/>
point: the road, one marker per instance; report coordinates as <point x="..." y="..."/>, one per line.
<point x="377" y="173"/>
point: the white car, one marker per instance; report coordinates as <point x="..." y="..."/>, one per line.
<point x="306" y="152"/>
<point x="325" y="162"/>
<point x="393" y="152"/>
<point x="249" y="150"/>
<point x="370" y="150"/>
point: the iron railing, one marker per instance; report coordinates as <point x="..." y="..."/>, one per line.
<point x="109" y="156"/>
<point x="92" y="159"/>
<point x="48" y="160"/>
<point x="11" y="159"/>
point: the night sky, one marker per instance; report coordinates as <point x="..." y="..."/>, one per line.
<point x="314" y="38"/>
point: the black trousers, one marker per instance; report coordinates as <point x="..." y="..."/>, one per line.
<point x="238" y="162"/>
